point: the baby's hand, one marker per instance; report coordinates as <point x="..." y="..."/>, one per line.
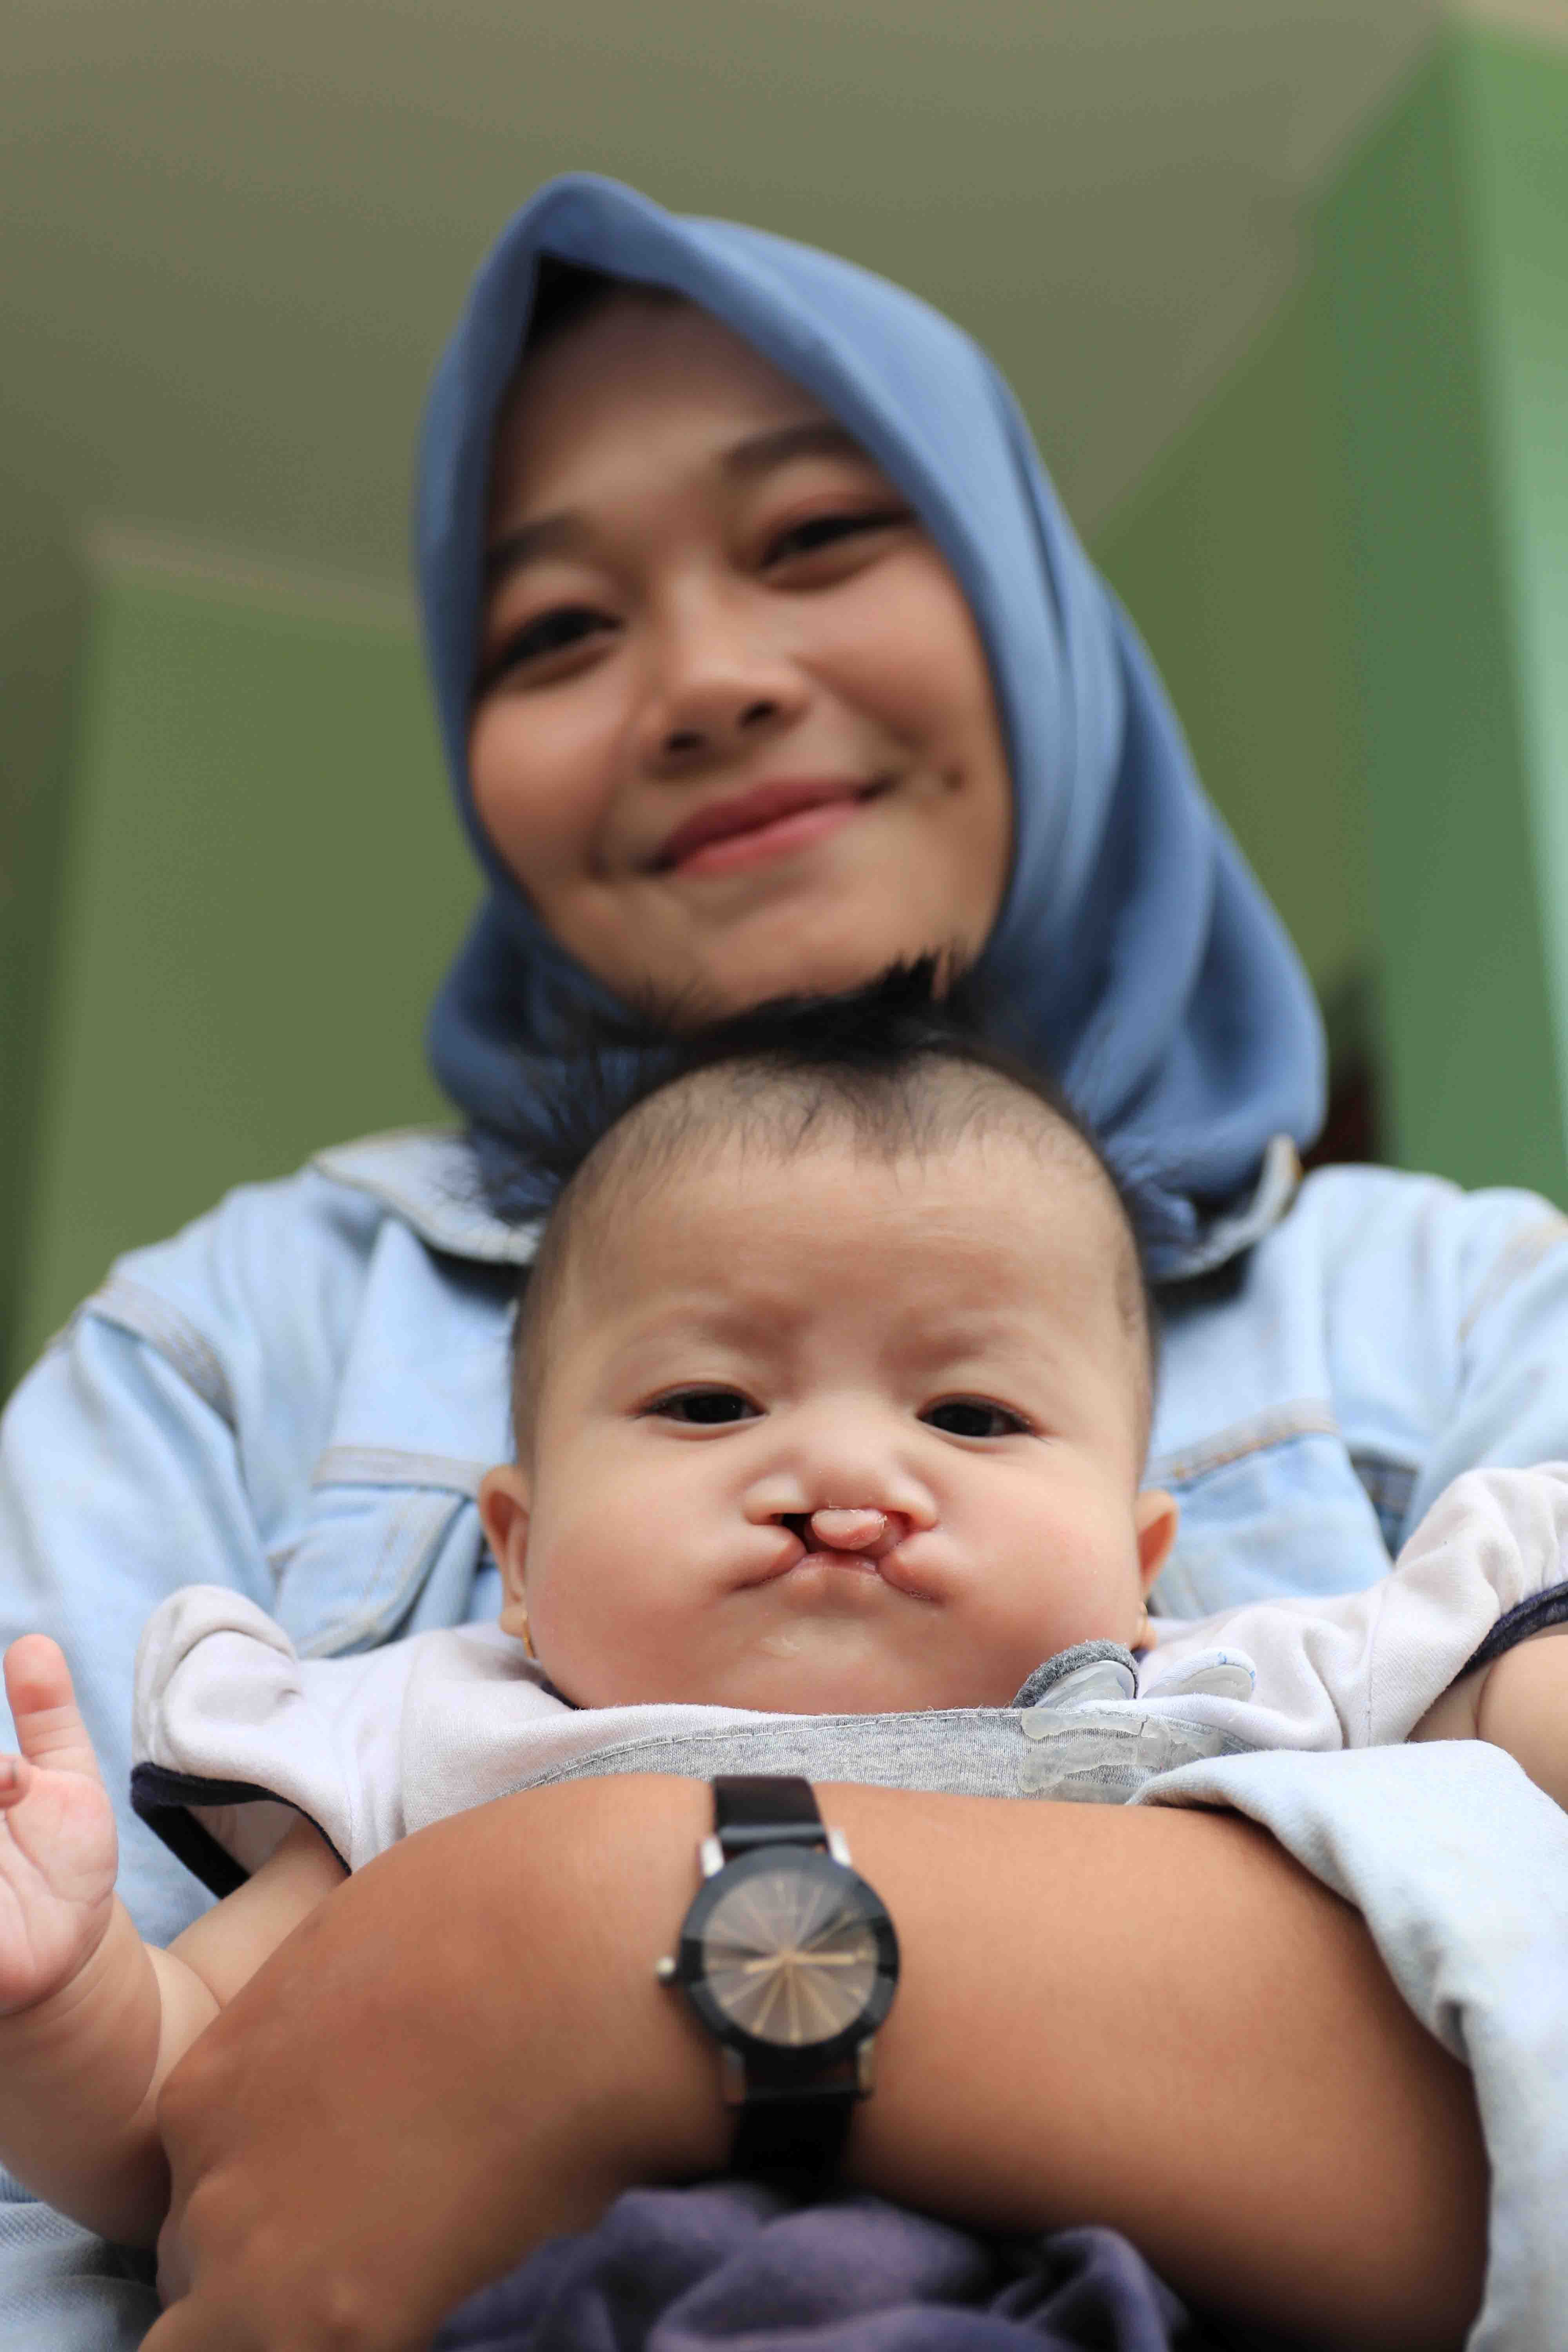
<point x="57" y="1844"/>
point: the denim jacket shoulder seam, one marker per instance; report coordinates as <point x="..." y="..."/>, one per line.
<point x="1520" y="1256"/>
<point x="130" y="1307"/>
<point x="393" y="1466"/>
<point x="1305" y="1417"/>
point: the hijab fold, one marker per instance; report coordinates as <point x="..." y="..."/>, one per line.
<point x="1136" y="955"/>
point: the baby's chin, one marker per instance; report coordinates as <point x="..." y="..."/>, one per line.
<point x="793" y="1671"/>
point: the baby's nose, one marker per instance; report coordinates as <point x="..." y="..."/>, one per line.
<point x="865" y="1530"/>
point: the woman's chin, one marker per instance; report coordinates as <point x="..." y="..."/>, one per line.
<point x="827" y="919"/>
<point x="807" y="960"/>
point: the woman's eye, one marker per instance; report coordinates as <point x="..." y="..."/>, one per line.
<point x="974" y="1417"/>
<point x="704" y="1408"/>
<point x="826" y="530"/>
<point x="560" y="631"/>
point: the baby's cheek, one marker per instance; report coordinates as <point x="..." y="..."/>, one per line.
<point x="606" y="1647"/>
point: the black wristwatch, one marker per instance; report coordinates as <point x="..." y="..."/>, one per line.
<point x="790" y="1960"/>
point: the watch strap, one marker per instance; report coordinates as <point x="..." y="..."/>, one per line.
<point x="793" y="2140"/>
<point x="791" y="2134"/>
<point x="752" y="1809"/>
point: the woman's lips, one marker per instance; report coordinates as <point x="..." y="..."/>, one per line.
<point x="766" y="823"/>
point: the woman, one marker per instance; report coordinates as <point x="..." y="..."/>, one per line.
<point x="734" y="702"/>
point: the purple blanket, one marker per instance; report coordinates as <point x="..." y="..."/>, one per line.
<point x="729" y="2263"/>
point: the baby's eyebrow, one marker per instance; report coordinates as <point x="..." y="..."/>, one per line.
<point x="720" y="1322"/>
<point x="753" y="1328"/>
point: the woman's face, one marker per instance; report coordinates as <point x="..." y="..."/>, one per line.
<point x="734" y="732"/>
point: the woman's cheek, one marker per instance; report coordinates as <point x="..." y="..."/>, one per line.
<point x="534" y="791"/>
<point x="906" y="646"/>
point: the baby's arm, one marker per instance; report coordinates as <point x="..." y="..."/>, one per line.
<point x="92" y="2018"/>
<point x="1519" y="1702"/>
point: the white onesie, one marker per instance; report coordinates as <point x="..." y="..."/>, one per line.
<point x="235" y="1733"/>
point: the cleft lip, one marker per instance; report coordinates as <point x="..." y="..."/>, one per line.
<point x="799" y="1547"/>
<point x="749" y="811"/>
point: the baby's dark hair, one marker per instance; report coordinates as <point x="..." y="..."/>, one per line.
<point x="901" y="1066"/>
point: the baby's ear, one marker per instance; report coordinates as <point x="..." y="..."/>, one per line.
<point x="1155" y="1516"/>
<point x="504" y="1514"/>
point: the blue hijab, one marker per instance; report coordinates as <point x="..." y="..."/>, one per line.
<point x="1136" y="955"/>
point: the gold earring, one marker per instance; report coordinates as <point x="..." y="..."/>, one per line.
<point x="1144" y="1634"/>
<point x="526" y="1638"/>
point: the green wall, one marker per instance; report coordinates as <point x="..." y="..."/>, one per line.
<point x="1444" y="254"/>
<point x="260" y="883"/>
<point x="1518" y="110"/>
<point x="43" y="595"/>
<point x="229" y="876"/>
<point x="1353" y="570"/>
<point x="1231" y="558"/>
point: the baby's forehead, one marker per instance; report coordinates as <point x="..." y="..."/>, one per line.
<point x="723" y="1120"/>
<point x="938" y="1110"/>
<point x="770" y="1204"/>
<point x="980" y="1187"/>
<point x="933" y="1173"/>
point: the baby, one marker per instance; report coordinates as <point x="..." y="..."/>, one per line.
<point x="832" y="1389"/>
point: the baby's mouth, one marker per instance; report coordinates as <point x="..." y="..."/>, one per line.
<point x="866" y="1542"/>
<point x="813" y="1553"/>
<point x="805" y="1549"/>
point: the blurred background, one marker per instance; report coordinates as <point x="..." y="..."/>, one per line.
<point x="1282" y="285"/>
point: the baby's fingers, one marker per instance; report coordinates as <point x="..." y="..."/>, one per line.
<point x="16" y="1780"/>
<point x="49" y="1729"/>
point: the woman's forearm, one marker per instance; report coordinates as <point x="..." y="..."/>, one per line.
<point x="1160" y="2024"/>
<point x="1149" y="2020"/>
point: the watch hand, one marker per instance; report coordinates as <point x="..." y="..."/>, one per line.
<point x="796" y="1956"/>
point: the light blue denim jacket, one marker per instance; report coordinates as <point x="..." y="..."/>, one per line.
<point x="298" y="1396"/>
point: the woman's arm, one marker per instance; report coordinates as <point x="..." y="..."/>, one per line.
<point x="1153" y="2021"/>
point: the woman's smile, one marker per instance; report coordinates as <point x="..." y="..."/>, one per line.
<point x="716" y="640"/>
<point x="788" y="813"/>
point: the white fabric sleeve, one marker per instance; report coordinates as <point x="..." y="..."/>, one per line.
<point x="1360" y="1669"/>
<point x="223" y="1696"/>
<point x="1459" y="1867"/>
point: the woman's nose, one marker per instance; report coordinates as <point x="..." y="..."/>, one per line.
<point x="718" y="688"/>
<point x="717" y="727"/>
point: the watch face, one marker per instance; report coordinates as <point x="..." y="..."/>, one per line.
<point x="786" y="1951"/>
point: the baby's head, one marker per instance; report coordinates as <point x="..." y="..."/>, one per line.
<point x="832" y="1380"/>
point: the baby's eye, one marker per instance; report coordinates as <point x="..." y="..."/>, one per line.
<point x="825" y="531"/>
<point x="703" y="1408"/>
<point x="974" y="1417"/>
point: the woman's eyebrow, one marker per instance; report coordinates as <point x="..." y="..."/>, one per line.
<point x="815" y="437"/>
<point x="553" y="534"/>
<point x="567" y="533"/>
